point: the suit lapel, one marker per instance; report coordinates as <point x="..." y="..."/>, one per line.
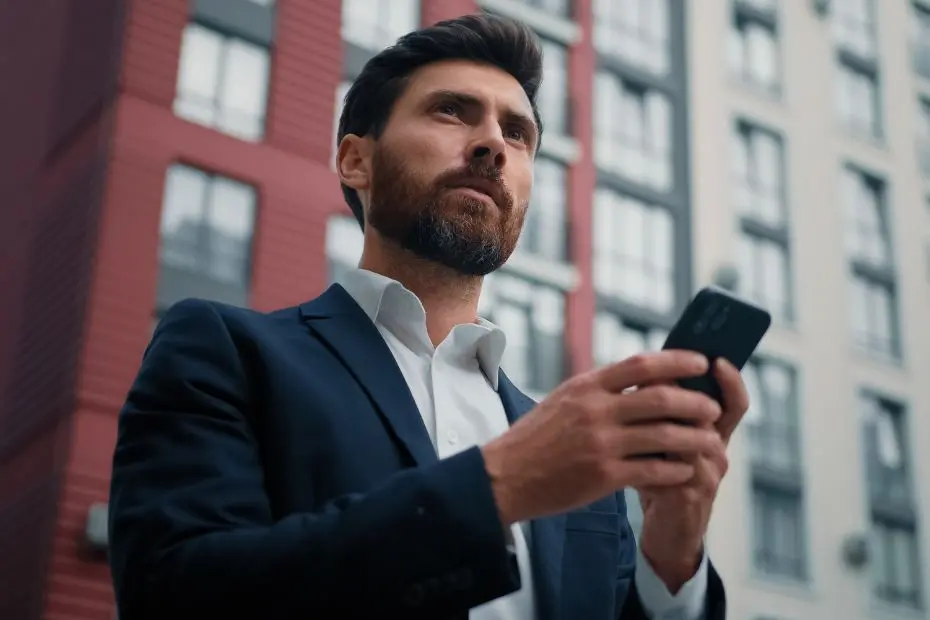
<point x="345" y="327"/>
<point x="547" y="537"/>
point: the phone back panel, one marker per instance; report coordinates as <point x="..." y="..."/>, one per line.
<point x="718" y="324"/>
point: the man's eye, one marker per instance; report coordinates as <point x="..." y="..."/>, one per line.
<point x="517" y="133"/>
<point x="449" y="109"/>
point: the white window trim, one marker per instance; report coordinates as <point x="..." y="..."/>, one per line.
<point x="561" y="29"/>
<point x="563" y="276"/>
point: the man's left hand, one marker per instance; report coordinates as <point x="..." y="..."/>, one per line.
<point x="675" y="519"/>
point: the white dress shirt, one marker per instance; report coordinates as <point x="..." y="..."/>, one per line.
<point x="455" y="388"/>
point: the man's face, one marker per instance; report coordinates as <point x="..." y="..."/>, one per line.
<point x="450" y="177"/>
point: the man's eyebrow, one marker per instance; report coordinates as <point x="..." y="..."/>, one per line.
<point x="469" y="100"/>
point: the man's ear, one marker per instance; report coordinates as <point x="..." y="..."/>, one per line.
<point x="353" y="162"/>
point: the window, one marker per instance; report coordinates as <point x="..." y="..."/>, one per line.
<point x="343" y="245"/>
<point x="208" y="91"/>
<point x="533" y="318"/>
<point x="772" y="419"/>
<point x="207" y="224"/>
<point x="636" y="31"/>
<point x="633" y="251"/>
<point x="896" y="567"/>
<point x="759" y="194"/>
<point x="633" y="136"/>
<point x="544" y="231"/>
<point x="873" y="304"/>
<point x="376" y="25"/>
<point x="758" y="174"/>
<point x="857" y="101"/>
<point x="854" y="26"/>
<point x="616" y="339"/>
<point x="753" y="53"/>
<point x="559" y="8"/>
<point x="553" y="92"/>
<point x="779" y="546"/>
<point x="920" y="40"/>
<point x="765" y="275"/>
<point x="867" y="234"/>
<point x="873" y="317"/>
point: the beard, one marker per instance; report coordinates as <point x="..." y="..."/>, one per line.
<point x="457" y="231"/>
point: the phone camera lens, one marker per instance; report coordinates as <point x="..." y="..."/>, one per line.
<point x="721" y="319"/>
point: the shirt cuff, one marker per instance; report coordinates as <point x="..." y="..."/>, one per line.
<point x="659" y="603"/>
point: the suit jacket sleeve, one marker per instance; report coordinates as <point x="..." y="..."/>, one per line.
<point x="192" y="534"/>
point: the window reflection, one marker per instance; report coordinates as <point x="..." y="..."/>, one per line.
<point x="222" y="82"/>
<point x="633" y="250"/>
<point x="633" y="136"/>
<point x="544" y="231"/>
<point x="376" y="25"/>
<point x="635" y="30"/>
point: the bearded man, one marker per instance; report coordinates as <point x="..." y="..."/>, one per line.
<point x="363" y="455"/>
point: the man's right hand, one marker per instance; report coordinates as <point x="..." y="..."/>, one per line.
<point x="594" y="435"/>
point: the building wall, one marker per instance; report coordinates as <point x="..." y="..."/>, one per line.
<point x="57" y="114"/>
<point x="299" y="195"/>
<point x="818" y="344"/>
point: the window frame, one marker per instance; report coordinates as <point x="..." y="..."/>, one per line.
<point x="851" y="66"/>
<point x="757" y="228"/>
<point x="901" y="516"/>
<point x="743" y="15"/>
<point x="871" y="274"/>
<point x="215" y="105"/>
<point x="191" y="282"/>
<point x="787" y="484"/>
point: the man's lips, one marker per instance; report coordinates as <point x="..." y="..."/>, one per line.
<point x="480" y="189"/>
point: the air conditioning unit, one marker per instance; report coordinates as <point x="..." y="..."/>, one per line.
<point x="856" y="552"/>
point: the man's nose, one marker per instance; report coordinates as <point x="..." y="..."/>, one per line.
<point x="490" y="149"/>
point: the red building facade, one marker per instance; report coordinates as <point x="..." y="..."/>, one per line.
<point x="84" y="298"/>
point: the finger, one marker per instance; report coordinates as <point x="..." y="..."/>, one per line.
<point x="652" y="367"/>
<point x="707" y="476"/>
<point x="666" y="402"/>
<point x="645" y="440"/>
<point x="735" y="397"/>
<point x="655" y="473"/>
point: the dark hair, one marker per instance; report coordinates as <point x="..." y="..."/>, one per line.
<point x="504" y="43"/>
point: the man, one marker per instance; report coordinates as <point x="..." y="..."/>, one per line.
<point x="363" y="456"/>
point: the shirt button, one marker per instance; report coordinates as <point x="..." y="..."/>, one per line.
<point x="452" y="437"/>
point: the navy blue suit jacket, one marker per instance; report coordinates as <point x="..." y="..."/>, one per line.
<point x="275" y="466"/>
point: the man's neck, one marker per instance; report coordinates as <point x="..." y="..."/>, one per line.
<point x="448" y="297"/>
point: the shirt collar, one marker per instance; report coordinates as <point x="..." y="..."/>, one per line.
<point x="390" y="304"/>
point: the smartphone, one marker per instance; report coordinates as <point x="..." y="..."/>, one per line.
<point x="718" y="324"/>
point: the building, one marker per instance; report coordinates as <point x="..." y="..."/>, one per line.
<point x="788" y="139"/>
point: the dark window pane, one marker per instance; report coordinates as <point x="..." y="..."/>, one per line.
<point x="207" y="225"/>
<point x="778" y="532"/>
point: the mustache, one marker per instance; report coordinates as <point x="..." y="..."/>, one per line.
<point x="486" y="178"/>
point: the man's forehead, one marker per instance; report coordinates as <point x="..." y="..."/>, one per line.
<point x="476" y="80"/>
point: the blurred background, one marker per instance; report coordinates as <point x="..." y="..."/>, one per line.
<point x="158" y="149"/>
